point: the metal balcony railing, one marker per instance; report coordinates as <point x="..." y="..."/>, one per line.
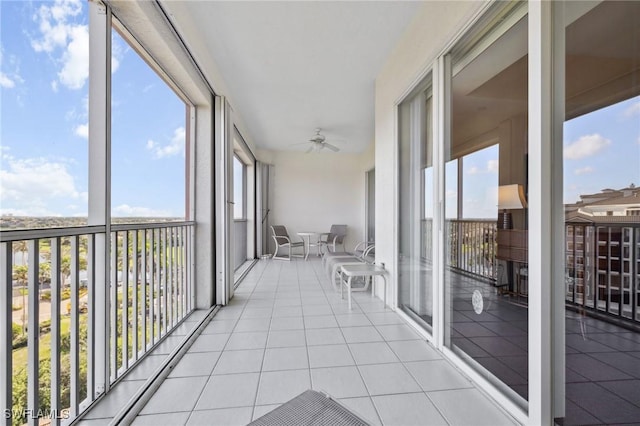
<point x="79" y="308"/>
<point x="471" y="247"/>
<point x="603" y="268"/>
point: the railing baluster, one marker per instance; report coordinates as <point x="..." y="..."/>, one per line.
<point x="169" y="272"/>
<point x="188" y="269"/>
<point x="134" y="302"/>
<point x="143" y="295"/>
<point x="74" y="329"/>
<point x="113" y="307"/>
<point x="56" y="285"/>
<point x="152" y="281"/>
<point x="183" y="271"/>
<point x="91" y="316"/>
<point x="158" y="260"/>
<point x="6" y="332"/>
<point x="33" y="337"/>
<point x="163" y="264"/>
<point x="125" y="300"/>
<point x="176" y="276"/>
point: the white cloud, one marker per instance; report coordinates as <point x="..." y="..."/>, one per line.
<point x="75" y="70"/>
<point x="30" y="185"/>
<point x="632" y="110"/>
<point x="53" y="26"/>
<point x="82" y="130"/>
<point x="583" y="170"/>
<point x="9" y="80"/>
<point x="492" y="167"/>
<point x="586" y="146"/>
<point x="117" y="52"/>
<point x="6" y="82"/>
<point x="67" y="42"/>
<point x="130" y="211"/>
<point x="174" y="147"/>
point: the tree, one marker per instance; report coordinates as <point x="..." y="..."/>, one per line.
<point x="21" y="247"/>
<point x="21" y="276"/>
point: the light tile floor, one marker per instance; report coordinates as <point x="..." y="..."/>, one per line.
<point x="285" y="331"/>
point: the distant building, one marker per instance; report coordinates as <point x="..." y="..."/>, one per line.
<point x="607" y="203"/>
<point x="602" y="251"/>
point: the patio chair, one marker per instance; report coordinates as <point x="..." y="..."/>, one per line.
<point x="334" y="263"/>
<point x="358" y="251"/>
<point x="329" y="240"/>
<point x="282" y="239"/>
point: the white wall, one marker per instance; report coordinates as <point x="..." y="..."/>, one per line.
<point x="313" y="191"/>
<point x="429" y="33"/>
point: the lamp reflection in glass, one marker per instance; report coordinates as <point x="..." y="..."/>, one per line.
<point x="510" y="197"/>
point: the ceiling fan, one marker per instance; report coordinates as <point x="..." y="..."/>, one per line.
<point x="318" y="143"/>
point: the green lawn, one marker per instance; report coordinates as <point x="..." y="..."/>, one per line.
<point x="20" y="356"/>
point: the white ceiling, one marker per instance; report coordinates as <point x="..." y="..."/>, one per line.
<point x="289" y="67"/>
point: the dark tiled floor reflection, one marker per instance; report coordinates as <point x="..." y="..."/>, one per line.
<point x="603" y="360"/>
<point x="496" y="337"/>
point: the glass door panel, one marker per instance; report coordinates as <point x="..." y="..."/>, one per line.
<point x="601" y="144"/>
<point x="415" y="265"/>
<point x="485" y="257"/>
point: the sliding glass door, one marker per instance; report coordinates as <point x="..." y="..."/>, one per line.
<point x="485" y="231"/>
<point x="416" y="174"/>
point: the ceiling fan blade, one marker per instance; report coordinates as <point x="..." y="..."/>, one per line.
<point x="331" y="147"/>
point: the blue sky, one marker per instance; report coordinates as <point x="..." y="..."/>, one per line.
<point x="602" y="150"/>
<point x="44" y="134"/>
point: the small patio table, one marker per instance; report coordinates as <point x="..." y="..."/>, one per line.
<point x="306" y="237"/>
<point x="365" y="270"/>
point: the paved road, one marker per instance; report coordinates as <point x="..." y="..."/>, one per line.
<point x="45" y="308"/>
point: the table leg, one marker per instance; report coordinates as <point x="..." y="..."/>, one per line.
<point x="349" y="291"/>
<point x="373" y="286"/>
<point x="385" y="291"/>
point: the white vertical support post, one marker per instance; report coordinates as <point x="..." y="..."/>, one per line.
<point x="99" y="176"/>
<point x="541" y="189"/>
<point x="221" y="210"/>
<point x="441" y="119"/>
<point x="203" y="239"/>
<point x="558" y="221"/>
<point x="6" y="348"/>
<point x="33" y="334"/>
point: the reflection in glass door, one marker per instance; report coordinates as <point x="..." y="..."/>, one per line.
<point x="415" y="264"/>
<point x="485" y="234"/>
<point x="601" y="144"/>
